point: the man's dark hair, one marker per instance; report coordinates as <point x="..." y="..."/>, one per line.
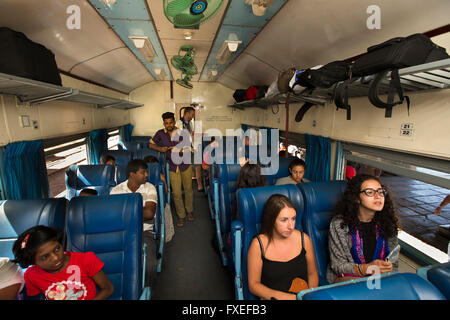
<point x="151" y="159"/>
<point x="135" y="165"/>
<point x="106" y="157"/>
<point x="188" y="109"/>
<point x="297" y="162"/>
<point x="88" y="192"/>
<point x="168" y="115"/>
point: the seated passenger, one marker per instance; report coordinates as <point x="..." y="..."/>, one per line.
<point x="250" y="177"/>
<point x="11" y="280"/>
<point x="137" y="182"/>
<point x="107" y="159"/>
<point x="281" y="259"/>
<point x="297" y="171"/>
<point x="363" y="231"/>
<point x="88" y="192"/>
<point x="59" y="275"/>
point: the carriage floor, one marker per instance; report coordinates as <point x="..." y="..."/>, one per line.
<point x="192" y="269"/>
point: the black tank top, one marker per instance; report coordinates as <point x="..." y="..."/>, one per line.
<point x="279" y="275"/>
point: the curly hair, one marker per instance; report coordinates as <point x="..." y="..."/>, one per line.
<point x="348" y="208"/>
<point x="29" y="241"/>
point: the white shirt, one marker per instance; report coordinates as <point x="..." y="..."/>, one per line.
<point x="148" y="192"/>
<point x="10" y="274"/>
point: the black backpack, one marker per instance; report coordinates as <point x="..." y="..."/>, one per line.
<point x="385" y="58"/>
<point x="325" y="76"/>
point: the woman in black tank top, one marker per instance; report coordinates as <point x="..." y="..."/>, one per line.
<point x="280" y="259"/>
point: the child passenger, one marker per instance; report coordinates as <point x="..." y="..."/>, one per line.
<point x="280" y="259"/>
<point x="57" y="274"/>
<point x="363" y="231"/>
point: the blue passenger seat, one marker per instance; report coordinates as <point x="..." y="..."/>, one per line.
<point x="111" y="227"/>
<point x="391" y="286"/>
<point x="439" y="275"/>
<point x="122" y="158"/>
<point x="16" y="216"/>
<point x="320" y="199"/>
<point x="250" y="209"/>
<point x="93" y="176"/>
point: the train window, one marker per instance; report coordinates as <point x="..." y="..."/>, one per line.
<point x="58" y="158"/>
<point x="113" y="140"/>
<point x="418" y="185"/>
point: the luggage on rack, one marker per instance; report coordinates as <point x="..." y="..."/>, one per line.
<point x="239" y="95"/>
<point x="325" y="76"/>
<point x="385" y="58"/>
<point x="251" y="93"/>
<point x="24" y="58"/>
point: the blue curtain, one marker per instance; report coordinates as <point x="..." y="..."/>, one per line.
<point x="25" y="171"/>
<point x="3" y="189"/>
<point x="339" y="166"/>
<point x="125" y="132"/>
<point x="318" y="151"/>
<point x="97" y="143"/>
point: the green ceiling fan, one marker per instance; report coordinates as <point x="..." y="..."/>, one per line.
<point x="185" y="63"/>
<point x="189" y="13"/>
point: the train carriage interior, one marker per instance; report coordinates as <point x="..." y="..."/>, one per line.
<point x="82" y="79"/>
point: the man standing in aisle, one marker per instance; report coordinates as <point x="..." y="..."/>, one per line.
<point x="186" y="122"/>
<point x="168" y="140"/>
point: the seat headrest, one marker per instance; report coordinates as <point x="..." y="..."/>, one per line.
<point x="16" y="216"/>
<point x="122" y="156"/>
<point x="81" y="176"/>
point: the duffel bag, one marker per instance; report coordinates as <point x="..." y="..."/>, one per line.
<point x="24" y="58"/>
<point x="325" y="76"/>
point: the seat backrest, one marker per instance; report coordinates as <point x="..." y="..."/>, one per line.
<point x="398" y="286"/>
<point x="93" y="176"/>
<point x="250" y="206"/>
<point x="144" y="139"/>
<point x="122" y="158"/>
<point x="320" y="199"/>
<point x="153" y="170"/>
<point x="132" y="146"/>
<point x="283" y="170"/>
<point x="16" y="216"/>
<point x="227" y="175"/>
<point x="111" y="227"/>
<point x="440" y="277"/>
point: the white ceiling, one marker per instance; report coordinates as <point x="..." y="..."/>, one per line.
<point x="303" y="33"/>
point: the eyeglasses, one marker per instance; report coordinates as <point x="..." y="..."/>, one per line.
<point x="371" y="192"/>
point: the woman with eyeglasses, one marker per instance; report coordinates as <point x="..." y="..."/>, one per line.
<point x="363" y="231"/>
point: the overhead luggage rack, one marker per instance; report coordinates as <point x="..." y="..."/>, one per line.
<point x="31" y="92"/>
<point x="433" y="75"/>
<point x="280" y="98"/>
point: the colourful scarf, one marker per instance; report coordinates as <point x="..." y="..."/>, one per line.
<point x="381" y="249"/>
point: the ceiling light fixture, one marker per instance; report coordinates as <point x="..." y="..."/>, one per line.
<point x="160" y="73"/>
<point x="188" y="35"/>
<point x="144" y="46"/>
<point x="212" y="73"/>
<point x="259" y="7"/>
<point x="109" y="2"/>
<point x="228" y="47"/>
